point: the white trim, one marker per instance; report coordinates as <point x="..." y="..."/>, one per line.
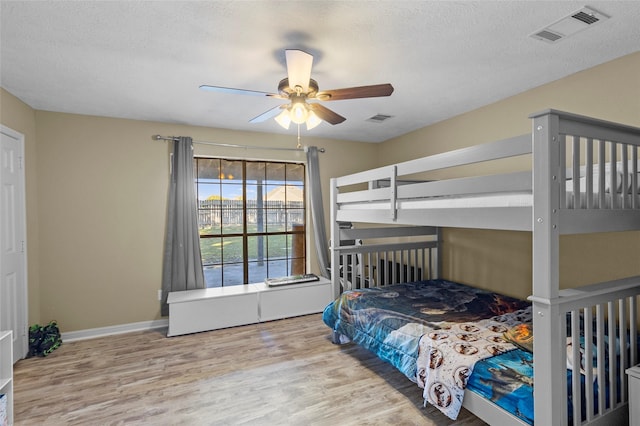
<point x="91" y="333"/>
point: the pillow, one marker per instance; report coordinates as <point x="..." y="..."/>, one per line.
<point x="607" y="182"/>
<point x="521" y="335"/>
<point x="570" y="366"/>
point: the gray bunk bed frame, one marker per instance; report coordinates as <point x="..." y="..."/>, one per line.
<point x="563" y="146"/>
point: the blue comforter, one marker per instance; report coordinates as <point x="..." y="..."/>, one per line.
<point x="389" y="321"/>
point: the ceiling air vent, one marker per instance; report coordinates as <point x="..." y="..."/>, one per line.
<point x="379" y="118"/>
<point x="569" y="25"/>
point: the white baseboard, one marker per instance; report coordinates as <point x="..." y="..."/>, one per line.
<point x="92" y="333"/>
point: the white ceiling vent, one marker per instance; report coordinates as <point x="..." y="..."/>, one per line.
<point x="573" y="23"/>
<point x="379" y="118"/>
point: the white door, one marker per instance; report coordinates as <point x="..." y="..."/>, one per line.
<point x="13" y="254"/>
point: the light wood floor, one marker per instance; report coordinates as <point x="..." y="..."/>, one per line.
<point x="278" y="373"/>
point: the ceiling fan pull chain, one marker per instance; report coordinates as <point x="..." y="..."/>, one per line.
<point x="298" y="137"/>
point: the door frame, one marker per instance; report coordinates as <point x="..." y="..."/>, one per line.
<point x="21" y="337"/>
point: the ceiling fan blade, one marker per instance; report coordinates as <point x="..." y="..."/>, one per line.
<point x="299" y="65"/>
<point x="267" y="114"/>
<point x="355" y="92"/>
<point x="233" y="91"/>
<point x="326" y="114"/>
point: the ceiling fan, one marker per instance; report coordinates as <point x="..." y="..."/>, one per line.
<point x="298" y="88"/>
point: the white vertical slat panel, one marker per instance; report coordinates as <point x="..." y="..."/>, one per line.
<point x="625" y="175"/>
<point x="576" y="362"/>
<point x="622" y="347"/>
<point x="613" y="176"/>
<point x="600" y="358"/>
<point x="403" y="278"/>
<point x="589" y="174"/>
<point x="602" y="200"/>
<point x="633" y="328"/>
<point x="385" y="269"/>
<point x="562" y="162"/>
<point x="635" y="184"/>
<point x="353" y="271"/>
<point x="575" y="171"/>
<point x="370" y="268"/>
<point x="393" y="267"/>
<point x="588" y="365"/>
<point x="429" y="255"/>
<point x="613" y="394"/>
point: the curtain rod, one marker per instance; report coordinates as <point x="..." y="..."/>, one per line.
<point x="229" y="145"/>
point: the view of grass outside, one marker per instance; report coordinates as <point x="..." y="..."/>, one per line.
<point x="273" y="213"/>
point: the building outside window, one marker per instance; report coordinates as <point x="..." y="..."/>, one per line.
<point x="251" y="217"/>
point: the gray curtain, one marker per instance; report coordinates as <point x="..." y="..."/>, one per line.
<point x="317" y="211"/>
<point x="182" y="267"/>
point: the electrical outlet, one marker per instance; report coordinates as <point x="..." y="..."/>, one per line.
<point x="160" y="295"/>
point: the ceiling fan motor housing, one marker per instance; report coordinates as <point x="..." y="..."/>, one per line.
<point x="285" y="90"/>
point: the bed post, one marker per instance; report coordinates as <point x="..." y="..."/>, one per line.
<point x="439" y="257"/>
<point x="550" y="392"/>
<point x="334" y="239"/>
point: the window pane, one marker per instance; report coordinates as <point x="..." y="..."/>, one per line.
<point x="208" y="191"/>
<point x="209" y="212"/>
<point x="276" y="220"/>
<point x="231" y="171"/>
<point x="255" y="172"/>
<point x="258" y="271"/>
<point x="275" y="172"/>
<point x="232" y="249"/>
<point x="278" y="268"/>
<point x="232" y="274"/>
<point x="232" y="215"/>
<point x="208" y="170"/>
<point x="294" y="196"/>
<point x="211" y="251"/>
<point x="277" y="246"/>
<point x="256" y="221"/>
<point x="213" y="276"/>
<point x="295" y="220"/>
<point x="257" y="247"/>
<point x="232" y="192"/>
<point x="256" y="196"/>
<point x="296" y="242"/>
<point x="295" y="174"/>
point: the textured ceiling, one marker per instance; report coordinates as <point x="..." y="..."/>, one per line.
<point x="144" y="60"/>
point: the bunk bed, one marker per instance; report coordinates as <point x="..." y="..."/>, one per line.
<point x="584" y="179"/>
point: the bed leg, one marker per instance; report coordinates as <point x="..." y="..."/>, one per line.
<point x="338" y="339"/>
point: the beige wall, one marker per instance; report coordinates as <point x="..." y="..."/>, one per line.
<point x="502" y="260"/>
<point x="101" y="186"/>
<point x="96" y="197"/>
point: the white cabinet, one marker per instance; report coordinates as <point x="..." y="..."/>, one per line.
<point x="192" y="311"/>
<point x="634" y="395"/>
<point x="6" y="370"/>
<point x="293" y="300"/>
<point x="205" y="309"/>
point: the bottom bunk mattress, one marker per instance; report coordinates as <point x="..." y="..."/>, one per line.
<point x="409" y="325"/>
<point x="389" y="321"/>
<point x="446" y="337"/>
<point x="507" y="379"/>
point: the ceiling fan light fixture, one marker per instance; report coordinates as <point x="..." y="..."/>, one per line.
<point x="299" y="112"/>
<point x="283" y="119"/>
<point x="313" y="120"/>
